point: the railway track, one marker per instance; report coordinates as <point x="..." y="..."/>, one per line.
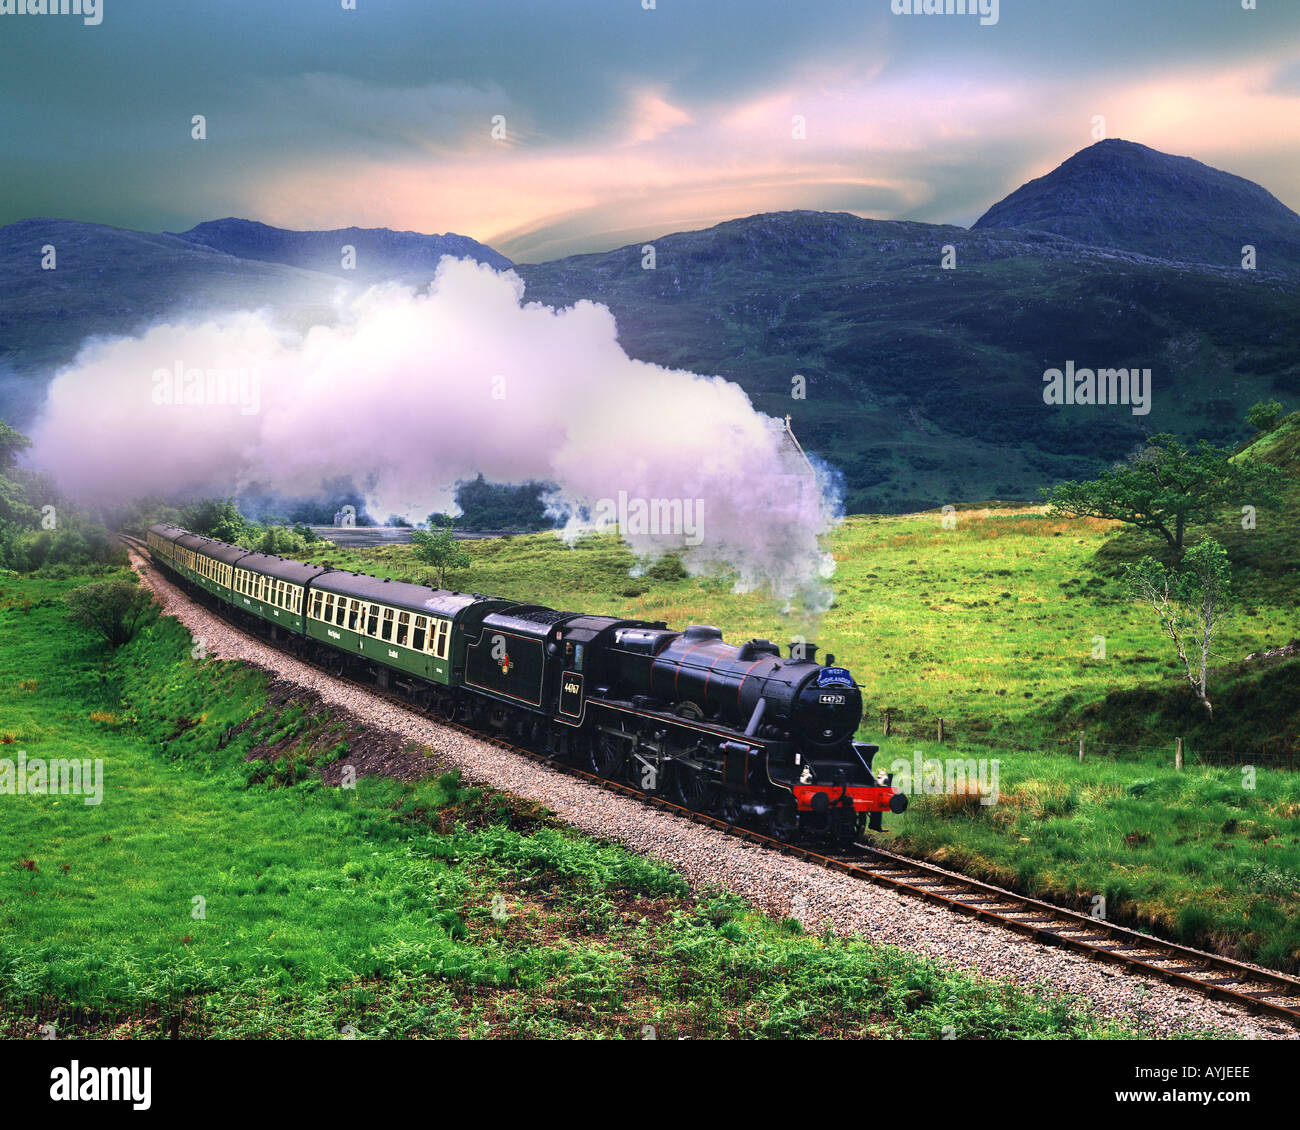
<point x="1259" y="991"/>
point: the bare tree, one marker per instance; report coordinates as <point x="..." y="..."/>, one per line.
<point x="1191" y="600"/>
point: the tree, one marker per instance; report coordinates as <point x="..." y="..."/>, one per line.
<point x="1191" y="600"/>
<point x="216" y="518"/>
<point x="114" y="609"/>
<point x="12" y="445"/>
<point x="1264" y="415"/>
<point x="501" y="506"/>
<point x="438" y="548"/>
<point x="1165" y="488"/>
<point x="15" y="501"/>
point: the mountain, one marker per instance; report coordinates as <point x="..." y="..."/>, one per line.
<point x="115" y="281"/>
<point x="1124" y="195"/>
<point x="924" y="385"/>
<point x="110" y="280"/>
<point x="380" y="253"/>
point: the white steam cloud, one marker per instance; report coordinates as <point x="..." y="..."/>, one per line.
<point x="409" y="392"/>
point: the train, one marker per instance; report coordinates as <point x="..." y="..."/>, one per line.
<point x="738" y="731"/>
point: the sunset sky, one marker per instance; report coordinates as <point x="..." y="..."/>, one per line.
<point x="621" y="123"/>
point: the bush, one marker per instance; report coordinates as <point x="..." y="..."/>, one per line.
<point x="114" y="609"/>
<point x="667" y="568"/>
<point x="1264" y="415"/>
<point x="73" y="549"/>
<point x="281" y="541"/>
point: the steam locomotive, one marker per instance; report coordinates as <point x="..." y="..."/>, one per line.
<point x="740" y="731"/>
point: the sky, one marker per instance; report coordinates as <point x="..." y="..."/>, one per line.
<point x="616" y="120"/>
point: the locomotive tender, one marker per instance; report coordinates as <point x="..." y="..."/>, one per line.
<point x="737" y="730"/>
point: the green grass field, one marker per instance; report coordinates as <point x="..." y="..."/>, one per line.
<point x="994" y="625"/>
<point x="213" y="895"/>
<point x="984" y="624"/>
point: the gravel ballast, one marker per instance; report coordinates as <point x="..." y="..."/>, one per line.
<point x="779" y="885"/>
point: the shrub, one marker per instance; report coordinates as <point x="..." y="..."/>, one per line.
<point x="667" y="568"/>
<point x="114" y="609"/>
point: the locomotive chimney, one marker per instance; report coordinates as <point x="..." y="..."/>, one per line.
<point x="802" y="650"/>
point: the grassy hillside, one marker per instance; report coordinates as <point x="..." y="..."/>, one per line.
<point x="987" y="624"/>
<point x="1207" y="856"/>
<point x="993" y="626"/>
<point x="389" y="910"/>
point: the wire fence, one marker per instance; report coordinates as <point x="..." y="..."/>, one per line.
<point x="1276" y="752"/>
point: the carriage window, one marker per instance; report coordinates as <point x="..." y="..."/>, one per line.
<point x="421" y="633"/>
<point x="442" y="639"/>
<point x="354" y="610"/>
<point x="315" y="605"/>
<point x="388" y="624"/>
<point x="372" y="623"/>
<point x="403" y="628"/>
<point x="329" y="608"/>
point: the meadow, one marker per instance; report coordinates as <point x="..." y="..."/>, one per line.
<point x="1014" y="628"/>
<point x="220" y="889"/>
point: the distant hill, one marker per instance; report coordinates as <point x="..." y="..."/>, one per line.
<point x="380" y="253"/>
<point x="113" y="281"/>
<point x="924" y="385"/>
<point x="1121" y="194"/>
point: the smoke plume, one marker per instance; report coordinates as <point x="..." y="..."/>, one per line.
<point x="410" y="391"/>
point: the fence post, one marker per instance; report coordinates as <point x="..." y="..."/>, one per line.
<point x="887" y="720"/>
<point x="1178" y="753"/>
<point x="941" y="731"/>
<point x="1080" y="746"/>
